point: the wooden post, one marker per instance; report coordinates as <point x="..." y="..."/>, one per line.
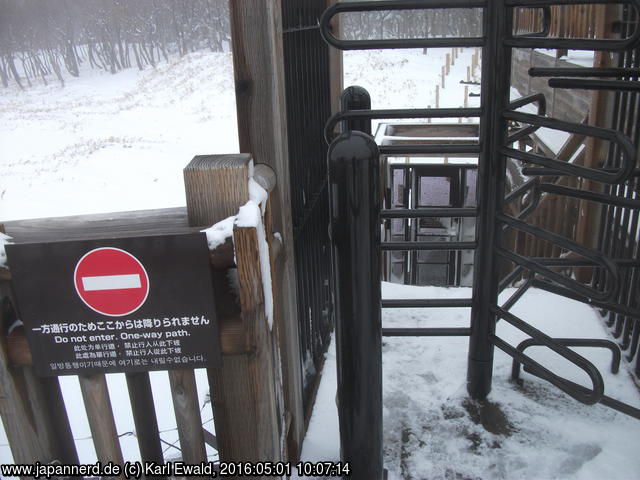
<point x="443" y="74"/>
<point x="243" y="389"/>
<point x="256" y="30"/>
<point x="437" y="96"/>
<point x="29" y="433"/>
<point x="468" y="74"/>
<point x="144" y="416"/>
<point x="100" y="415"/>
<point x="448" y="63"/>
<point x="188" y="419"/>
<point x="466" y="96"/>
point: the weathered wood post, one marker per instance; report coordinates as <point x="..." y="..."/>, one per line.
<point x="248" y="423"/>
<point x="256" y="31"/>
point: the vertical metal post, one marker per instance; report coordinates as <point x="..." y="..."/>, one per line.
<point x="355" y="231"/>
<point x="356" y="98"/>
<point x="494" y="98"/>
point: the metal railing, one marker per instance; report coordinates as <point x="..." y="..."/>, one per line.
<point x="494" y="149"/>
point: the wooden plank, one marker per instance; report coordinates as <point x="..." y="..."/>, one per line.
<point x="256" y="31"/>
<point x="236" y="402"/>
<point x="50" y="415"/>
<point x="220" y="179"/>
<point x="245" y="395"/>
<point x="188" y="419"/>
<point x="103" y="225"/>
<point x="100" y="415"/>
<point x="144" y="416"/>
<point x="27" y="446"/>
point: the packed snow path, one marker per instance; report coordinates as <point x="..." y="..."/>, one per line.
<point x="530" y="431"/>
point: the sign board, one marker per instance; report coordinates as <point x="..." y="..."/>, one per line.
<point x="117" y="305"/>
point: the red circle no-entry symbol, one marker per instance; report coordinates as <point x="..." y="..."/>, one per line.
<point x="111" y="281"/>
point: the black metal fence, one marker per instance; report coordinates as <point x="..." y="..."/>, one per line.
<point x="306" y="60"/>
<point x="619" y="235"/>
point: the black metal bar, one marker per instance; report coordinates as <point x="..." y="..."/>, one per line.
<point x="431" y="149"/>
<point x="538" y="98"/>
<point x="426" y="303"/>
<point x="583" y="84"/>
<point x="517" y="295"/>
<point x="355" y="230"/>
<point x="622" y="141"/>
<point x="595" y="256"/>
<point x="494" y="97"/>
<point x="411" y="246"/>
<point x="584" y="72"/>
<point x="426" y="332"/>
<point x="565" y="292"/>
<point x="588" y="195"/>
<point x="397" y="113"/>
<point x="506" y="281"/>
<point x="344" y="7"/>
<point x="550" y="172"/>
<point x="356" y="98"/>
<point x="589" y="397"/>
<point x="576" y="262"/>
<point x="429" y="213"/>
<point x="571" y="342"/>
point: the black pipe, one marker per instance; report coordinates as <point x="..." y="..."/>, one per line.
<point x="355" y="231"/>
<point x="356" y="98"/>
<point x="584" y="72"/>
<point x="586" y="84"/>
<point x="426" y="332"/>
<point x="496" y="61"/>
<point x="428" y="212"/>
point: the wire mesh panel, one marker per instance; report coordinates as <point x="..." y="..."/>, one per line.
<point x="306" y="60"/>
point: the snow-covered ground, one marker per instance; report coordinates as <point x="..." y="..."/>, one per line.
<point x="533" y="431"/>
<point x="119" y="142"/>
<point x="106" y="143"/>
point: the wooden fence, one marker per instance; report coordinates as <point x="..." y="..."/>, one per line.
<point x="249" y="413"/>
<point x="257" y="393"/>
<point x="566" y="21"/>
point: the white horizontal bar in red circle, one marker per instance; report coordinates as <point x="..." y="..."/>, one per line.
<point x="111" y="282"/>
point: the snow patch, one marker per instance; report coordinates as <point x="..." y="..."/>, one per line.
<point x="250" y="215"/>
<point x="4" y="239"/>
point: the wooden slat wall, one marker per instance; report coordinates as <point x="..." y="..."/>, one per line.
<point x="567" y="21"/>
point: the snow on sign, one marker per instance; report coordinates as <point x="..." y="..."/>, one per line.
<point x="117" y="305"/>
<point x="111" y="281"/>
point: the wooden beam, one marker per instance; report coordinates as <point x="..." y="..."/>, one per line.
<point x="26" y="443"/>
<point x="101" y="420"/>
<point x="220" y="179"/>
<point x="144" y="416"/>
<point x="188" y="419"/>
<point x="241" y="390"/>
<point x="256" y="39"/>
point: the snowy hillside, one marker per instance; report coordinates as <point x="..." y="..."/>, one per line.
<point x="119" y="142"/>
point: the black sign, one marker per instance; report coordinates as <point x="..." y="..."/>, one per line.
<point x="117" y="305"/>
